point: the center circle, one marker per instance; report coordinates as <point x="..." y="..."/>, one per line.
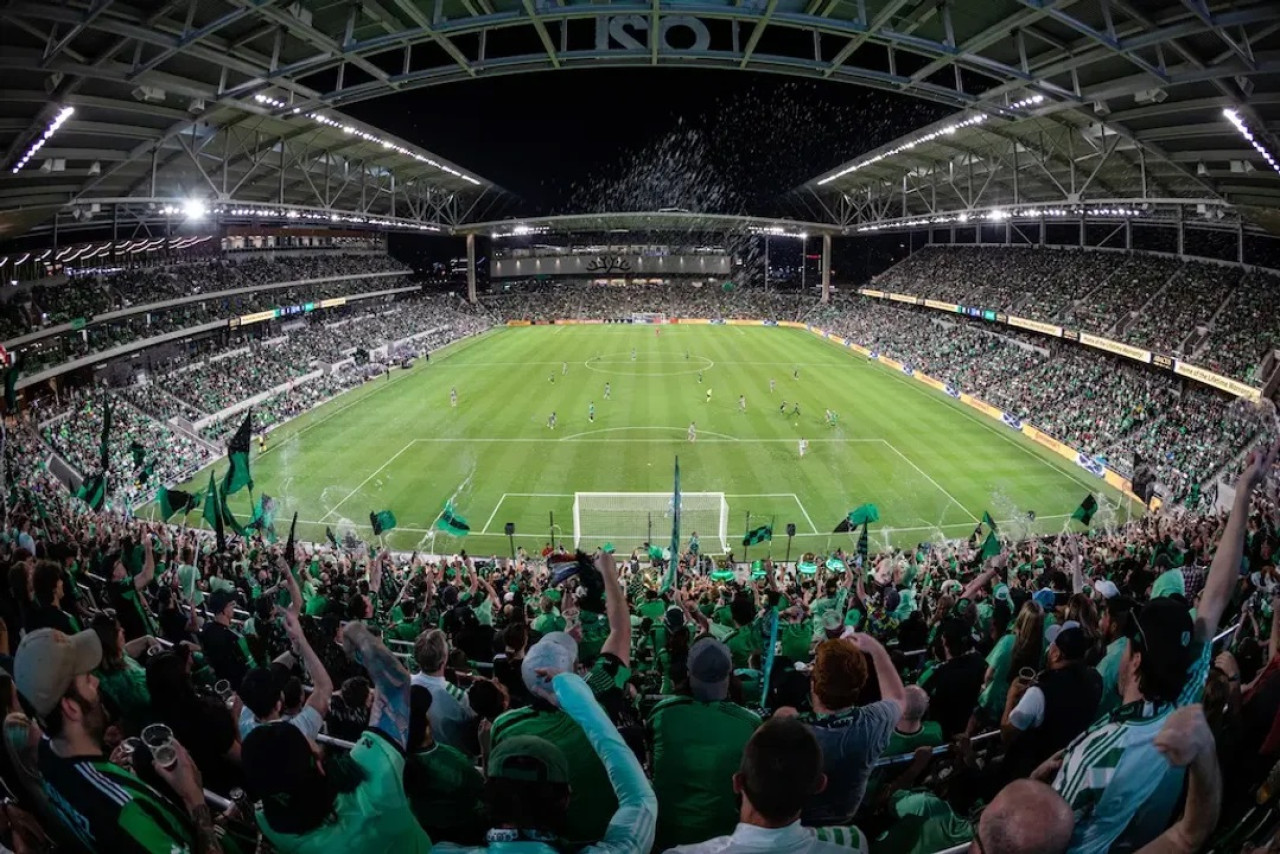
<point x="606" y="365"/>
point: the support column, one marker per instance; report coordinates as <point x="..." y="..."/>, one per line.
<point x="826" y="268"/>
<point x="471" y="268"/>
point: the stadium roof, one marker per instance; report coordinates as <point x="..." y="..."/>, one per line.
<point x="1121" y="104"/>
<point x="647" y="222"/>
<point x="234" y="101"/>
<point x="163" y="104"/>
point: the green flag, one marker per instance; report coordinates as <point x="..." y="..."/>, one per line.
<point x="173" y="501"/>
<point x="382" y="521"/>
<point x="865" y="513"/>
<point x="94" y="491"/>
<point x="238" y="475"/>
<point x="757" y="535"/>
<point x="989" y="522"/>
<point x="990" y="546"/>
<point x="264" y="517"/>
<point x="863" y="543"/>
<point x="452" y="523"/>
<point x="328" y="535"/>
<point x="669" y="577"/>
<point x="229" y="518"/>
<point x="213" y="513"/>
<point x="1084" y="513"/>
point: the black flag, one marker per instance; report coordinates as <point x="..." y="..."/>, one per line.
<point x="238" y="475"/>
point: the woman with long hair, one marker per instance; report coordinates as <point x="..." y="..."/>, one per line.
<point x="121" y="679"/>
<point x="1022" y="647"/>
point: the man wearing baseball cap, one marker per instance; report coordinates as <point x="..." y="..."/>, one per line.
<point x="697" y="746"/>
<point x="106" y="807"/>
<point x="593" y="798"/>
<point x="531" y="781"/>
<point x="1165" y="664"/>
<point x="1041" y="718"/>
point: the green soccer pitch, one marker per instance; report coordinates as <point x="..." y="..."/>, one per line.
<point x="930" y="463"/>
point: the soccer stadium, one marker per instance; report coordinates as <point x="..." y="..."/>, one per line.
<point x="808" y="427"/>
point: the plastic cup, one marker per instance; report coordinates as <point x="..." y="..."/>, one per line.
<point x="1027" y="674"/>
<point x="164" y="750"/>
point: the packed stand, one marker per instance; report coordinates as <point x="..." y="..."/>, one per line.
<point x="85" y="296"/>
<point x="1102" y="405"/>
<point x="1245" y="331"/>
<point x="101" y="337"/>
<point x="1057" y="695"/>
<point x="1190" y="299"/>
<point x="543" y="302"/>
<point x="166" y="456"/>
<point x="286" y="404"/>
<point x="159" y="403"/>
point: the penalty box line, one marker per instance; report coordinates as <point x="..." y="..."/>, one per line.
<point x="926" y="476"/>
<point x="507" y="495"/>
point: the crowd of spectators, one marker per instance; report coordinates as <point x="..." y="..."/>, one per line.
<point x="167" y="456"/>
<point x="105" y="336"/>
<point x="1106" y="406"/>
<point x="1152" y="301"/>
<point x="87" y="295"/>
<point x="219" y="377"/>
<point x="1246" y="329"/>
<point x="552" y="300"/>
<point x="1066" y="693"/>
<point x="1187" y="302"/>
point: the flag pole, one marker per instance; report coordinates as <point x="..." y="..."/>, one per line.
<point x="746" y="545"/>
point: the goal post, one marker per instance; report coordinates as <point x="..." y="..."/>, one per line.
<point x="626" y="519"/>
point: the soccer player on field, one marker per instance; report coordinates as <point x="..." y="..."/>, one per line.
<point x="804" y="446"/>
<point x="551" y="378"/>
<point x="591" y="412"/>
<point x="693" y="432"/>
<point x="699" y="377"/>
<point x="551" y="422"/>
<point x="772" y="384"/>
<point x="742" y="403"/>
<point x="633" y="354"/>
<point x="783" y="407"/>
<point x="795" y="409"/>
<point x="607" y="391"/>
<point x="564" y="369"/>
<point x="453" y="397"/>
<point x="795" y="374"/>
<point x="708" y="395"/>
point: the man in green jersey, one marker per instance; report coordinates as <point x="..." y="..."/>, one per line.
<point x="104" y="806"/>
<point x="348" y="803"/>
<point x="531" y="793"/>
<point x="697" y="744"/>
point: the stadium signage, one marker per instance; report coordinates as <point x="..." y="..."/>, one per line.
<point x="1036" y="326"/>
<point x="1218" y="381"/>
<point x="623" y="33"/>
<point x="902" y="298"/>
<point x="942" y="306"/>
<point x="870" y="293"/>
<point x="606" y="264"/>
<point x="1128" y="350"/>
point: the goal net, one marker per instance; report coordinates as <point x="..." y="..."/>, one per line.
<point x="630" y="519"/>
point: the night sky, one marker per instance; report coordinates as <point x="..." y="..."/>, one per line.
<point x="716" y="141"/>
<point x="642" y="139"/>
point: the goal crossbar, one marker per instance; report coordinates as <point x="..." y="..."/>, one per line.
<point x="633" y="518"/>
